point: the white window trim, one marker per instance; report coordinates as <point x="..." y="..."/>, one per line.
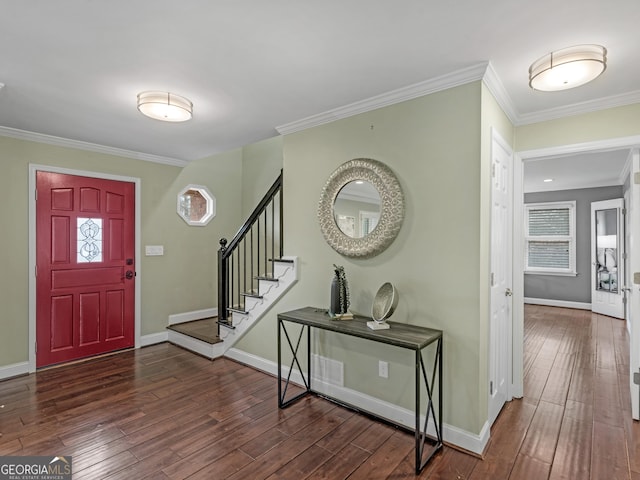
<point x="571" y="271"/>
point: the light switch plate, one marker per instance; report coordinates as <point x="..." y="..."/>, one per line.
<point x="153" y="250"/>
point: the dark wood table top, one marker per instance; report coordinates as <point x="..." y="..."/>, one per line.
<point x="399" y="334"/>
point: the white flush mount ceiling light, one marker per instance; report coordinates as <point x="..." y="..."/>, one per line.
<point x="568" y="68"/>
<point x="165" y="106"/>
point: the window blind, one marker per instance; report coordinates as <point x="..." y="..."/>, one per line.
<point x="549" y="238"/>
<point x="549" y="222"/>
<point x="549" y="254"/>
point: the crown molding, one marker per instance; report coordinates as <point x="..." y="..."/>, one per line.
<point x="495" y="86"/>
<point x="91" y="147"/>
<point x="460" y="77"/>
<point x="604" y="103"/>
<point x="594" y="146"/>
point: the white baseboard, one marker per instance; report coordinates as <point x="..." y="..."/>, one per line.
<point x="194" y="315"/>
<point x="452" y="435"/>
<point x="557" y="303"/>
<point x="14" y="370"/>
<point x="153" y="338"/>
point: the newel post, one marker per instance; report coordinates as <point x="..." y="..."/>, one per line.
<point x="223" y="285"/>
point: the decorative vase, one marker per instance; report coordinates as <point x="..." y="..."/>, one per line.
<point x="339" y="303"/>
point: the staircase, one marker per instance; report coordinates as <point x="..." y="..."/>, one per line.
<point x="252" y="276"/>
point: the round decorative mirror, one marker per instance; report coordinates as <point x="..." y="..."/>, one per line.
<point x="361" y="208"/>
<point x="357" y="209"/>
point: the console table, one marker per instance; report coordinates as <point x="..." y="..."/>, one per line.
<point x="401" y="335"/>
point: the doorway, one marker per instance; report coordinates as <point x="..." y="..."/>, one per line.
<point x="518" y="257"/>
<point x="87" y="310"/>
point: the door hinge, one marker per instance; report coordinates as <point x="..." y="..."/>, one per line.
<point x="636" y="378"/>
<point x="624" y="211"/>
<point x="493" y="170"/>
<point x="493" y="279"/>
<point x="36" y="345"/>
<point x="491" y="387"/>
<point x="625" y="255"/>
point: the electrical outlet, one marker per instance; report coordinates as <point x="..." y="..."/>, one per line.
<point x="383" y="369"/>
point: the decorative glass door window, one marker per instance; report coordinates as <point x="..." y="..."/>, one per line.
<point x="89" y="240"/>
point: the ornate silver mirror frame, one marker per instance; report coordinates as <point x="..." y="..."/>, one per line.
<point x="391" y="208"/>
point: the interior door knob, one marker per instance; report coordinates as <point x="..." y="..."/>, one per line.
<point x="129" y="274"/>
<point x="508" y="292"/>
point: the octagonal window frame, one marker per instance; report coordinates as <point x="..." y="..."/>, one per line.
<point x="210" y="205"/>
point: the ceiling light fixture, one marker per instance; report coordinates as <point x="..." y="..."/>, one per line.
<point x="547" y="180"/>
<point x="165" y="106"/>
<point x="568" y="68"/>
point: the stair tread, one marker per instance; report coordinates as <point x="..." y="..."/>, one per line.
<point x="252" y="295"/>
<point x="267" y="278"/>
<point x="281" y="260"/>
<point x="204" y="329"/>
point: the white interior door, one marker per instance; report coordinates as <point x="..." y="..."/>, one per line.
<point x="500" y="328"/>
<point x="607" y="243"/>
<point x="633" y="298"/>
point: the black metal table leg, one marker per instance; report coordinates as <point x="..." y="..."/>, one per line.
<point x="282" y="403"/>
<point x="421" y="433"/>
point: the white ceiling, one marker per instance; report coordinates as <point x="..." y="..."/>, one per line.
<point x="72" y="68"/>
<point x="586" y="170"/>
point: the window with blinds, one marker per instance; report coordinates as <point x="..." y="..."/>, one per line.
<point x="550" y="238"/>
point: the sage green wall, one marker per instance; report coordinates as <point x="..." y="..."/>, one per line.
<point x="433" y="145"/>
<point x="261" y="165"/>
<point x="186" y="277"/>
<point x="605" y="124"/>
<point x="182" y="280"/>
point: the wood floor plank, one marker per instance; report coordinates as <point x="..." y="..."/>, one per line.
<point x="385" y="459"/>
<point x="345" y="433"/>
<point x="374" y="436"/>
<point x="224" y="467"/>
<point x="453" y="465"/>
<point x="341" y="465"/>
<point x="161" y="412"/>
<point x="274" y="459"/>
<point x="557" y="386"/>
<point x="529" y="468"/>
<point x="542" y="436"/>
<point x="303" y="465"/>
<point x="574" y="446"/>
<point x="608" y="459"/>
<point x="581" y="388"/>
<point x="265" y="442"/>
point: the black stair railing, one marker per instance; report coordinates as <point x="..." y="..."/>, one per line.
<point x="249" y="256"/>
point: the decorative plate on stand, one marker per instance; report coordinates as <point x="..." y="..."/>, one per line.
<point x="384" y="304"/>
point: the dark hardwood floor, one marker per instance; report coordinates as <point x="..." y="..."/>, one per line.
<point x="161" y="412"/>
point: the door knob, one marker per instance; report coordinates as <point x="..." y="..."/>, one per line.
<point x="129" y="274"/>
<point x="508" y="292"/>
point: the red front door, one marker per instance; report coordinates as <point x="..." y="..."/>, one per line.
<point x="85" y="267"/>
